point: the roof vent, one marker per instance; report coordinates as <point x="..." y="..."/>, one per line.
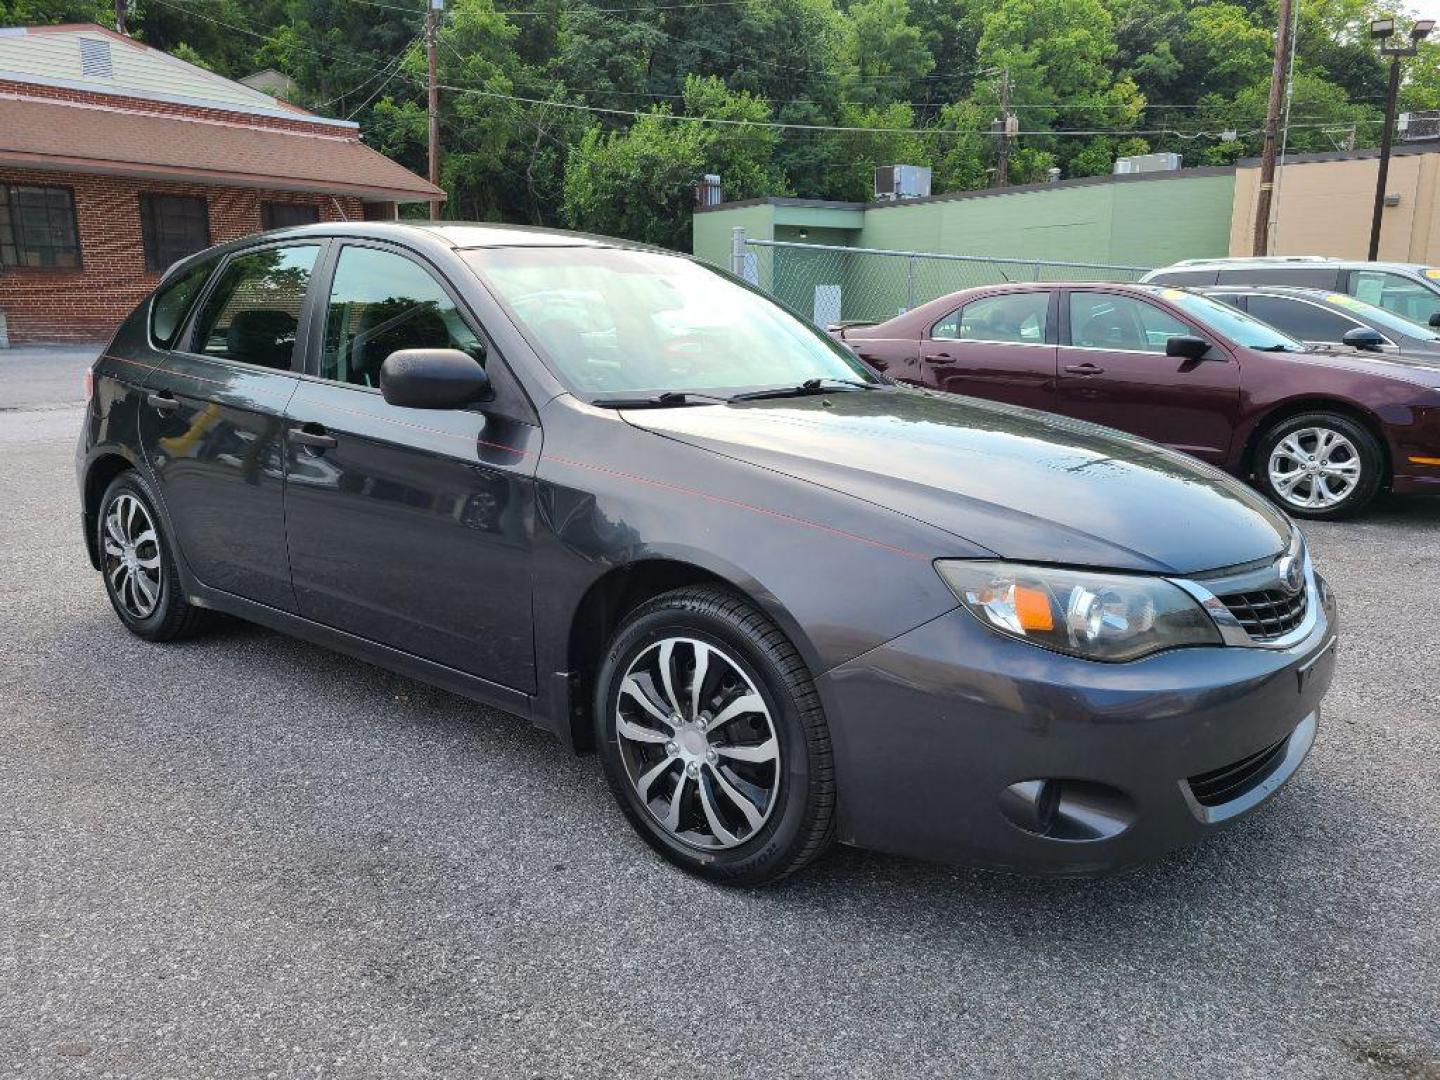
<point x="95" y="60"/>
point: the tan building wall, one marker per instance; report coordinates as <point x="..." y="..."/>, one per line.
<point x="1324" y="208"/>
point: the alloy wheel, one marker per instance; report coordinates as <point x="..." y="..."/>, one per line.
<point x="132" y="555"/>
<point x="698" y="743"/>
<point x="1314" y="468"/>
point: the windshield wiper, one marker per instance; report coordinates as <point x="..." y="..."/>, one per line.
<point x="668" y="400"/>
<point x="1274" y="348"/>
<point x="804" y="389"/>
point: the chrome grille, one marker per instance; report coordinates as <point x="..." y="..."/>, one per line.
<point x="1267" y="614"/>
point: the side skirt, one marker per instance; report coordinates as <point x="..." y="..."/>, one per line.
<point x="465" y="685"/>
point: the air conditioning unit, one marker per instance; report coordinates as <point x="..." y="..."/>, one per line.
<point x="901" y="182"/>
<point x="708" y="192"/>
<point x="1419" y="126"/>
<point x="1141" y="163"/>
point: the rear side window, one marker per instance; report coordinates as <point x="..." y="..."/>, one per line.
<point x="381" y="302"/>
<point x="1308" y="322"/>
<point x="173" y="302"/>
<point x="1182" y="277"/>
<point x="1019" y="318"/>
<point x="1405" y="296"/>
<point x="1311" y="277"/>
<point x="253" y="313"/>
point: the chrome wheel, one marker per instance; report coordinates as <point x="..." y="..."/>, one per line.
<point x="1314" y="468"/>
<point x="698" y="743"/>
<point x="132" y="556"/>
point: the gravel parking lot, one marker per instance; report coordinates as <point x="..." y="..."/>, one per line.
<point x="245" y="856"/>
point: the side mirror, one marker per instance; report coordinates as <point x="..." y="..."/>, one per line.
<point x="1362" y="337"/>
<point x="1188" y="346"/>
<point x="1435" y="319"/>
<point x="433" y="379"/>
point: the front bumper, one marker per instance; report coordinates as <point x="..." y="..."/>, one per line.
<point x="938" y="732"/>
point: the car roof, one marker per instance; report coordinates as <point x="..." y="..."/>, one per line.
<point x="1243" y="262"/>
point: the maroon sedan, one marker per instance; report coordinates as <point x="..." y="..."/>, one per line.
<point x="1319" y="431"/>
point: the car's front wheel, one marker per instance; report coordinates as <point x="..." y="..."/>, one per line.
<point x="138" y="566"/>
<point x="1319" y="465"/>
<point x="713" y="738"/>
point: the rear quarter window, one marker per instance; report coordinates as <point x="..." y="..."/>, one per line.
<point x="173" y="302"/>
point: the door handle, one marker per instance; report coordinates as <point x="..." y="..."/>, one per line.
<point x="933" y="357"/>
<point x="1086" y="368"/>
<point x="313" y="435"/>
<point x="163" y="401"/>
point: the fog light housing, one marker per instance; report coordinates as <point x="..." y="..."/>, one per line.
<point x="1073" y="810"/>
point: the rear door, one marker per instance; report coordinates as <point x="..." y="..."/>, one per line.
<point x="1001" y="347"/>
<point x="410" y="527"/>
<point x="211" y="425"/>
<point x="1114" y="371"/>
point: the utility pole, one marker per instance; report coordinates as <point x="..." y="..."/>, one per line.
<point x="432" y="19"/>
<point x="1380" y="30"/>
<point x="1002" y="164"/>
<point x="1278" y="71"/>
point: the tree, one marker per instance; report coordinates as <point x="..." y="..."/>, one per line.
<point x="640" y="182"/>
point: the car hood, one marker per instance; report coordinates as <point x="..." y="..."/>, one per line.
<point x="1026" y="485"/>
<point x="1421" y="368"/>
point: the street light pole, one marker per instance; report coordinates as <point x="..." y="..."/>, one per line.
<point x="1381" y="30"/>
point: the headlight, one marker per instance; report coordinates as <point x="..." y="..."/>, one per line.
<point x="1084" y="613"/>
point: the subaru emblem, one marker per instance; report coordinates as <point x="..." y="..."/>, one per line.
<point x="1292" y="573"/>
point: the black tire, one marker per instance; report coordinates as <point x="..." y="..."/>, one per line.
<point x="1355" y="495"/>
<point x="168" y="616"/>
<point x="742" y="645"/>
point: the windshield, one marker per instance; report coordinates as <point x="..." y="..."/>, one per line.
<point x="1233" y="323"/>
<point x="614" y="321"/>
<point x="1381" y="319"/>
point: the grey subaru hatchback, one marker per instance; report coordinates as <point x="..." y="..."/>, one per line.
<point x="623" y="495"/>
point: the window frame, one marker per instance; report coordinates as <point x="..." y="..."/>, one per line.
<point x="1051" y="336"/>
<point x="185" y="340"/>
<point x="146" y="199"/>
<point x="315" y="347"/>
<point x="7" y="189"/>
<point x="1068" y="340"/>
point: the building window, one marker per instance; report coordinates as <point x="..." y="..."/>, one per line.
<point x="37" y="227"/>
<point x="173" y="226"/>
<point x="282" y="215"/>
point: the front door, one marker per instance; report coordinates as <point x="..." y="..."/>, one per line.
<point x="999" y="347"/>
<point x="211" y="427"/>
<point x="1114" y="371"/>
<point x="410" y="527"/>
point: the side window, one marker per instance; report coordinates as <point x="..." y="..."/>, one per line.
<point x="1407" y="298"/>
<point x="1012" y="317"/>
<point x="1307" y="322"/>
<point x="381" y="302"/>
<point x="1183" y="277"/>
<point x="1311" y="277"/>
<point x="172" y="304"/>
<point x="1108" y="321"/>
<point x="253" y="313"/>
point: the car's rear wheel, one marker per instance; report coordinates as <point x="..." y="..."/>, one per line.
<point x="713" y="738"/>
<point x="137" y="564"/>
<point x="1319" y="465"/>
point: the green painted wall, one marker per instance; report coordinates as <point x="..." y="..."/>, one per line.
<point x="1148" y="222"/>
<point x="710" y="231"/>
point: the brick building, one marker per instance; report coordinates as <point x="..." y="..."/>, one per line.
<point x="117" y="159"/>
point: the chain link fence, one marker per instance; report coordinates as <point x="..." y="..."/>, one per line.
<point x="841" y="284"/>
